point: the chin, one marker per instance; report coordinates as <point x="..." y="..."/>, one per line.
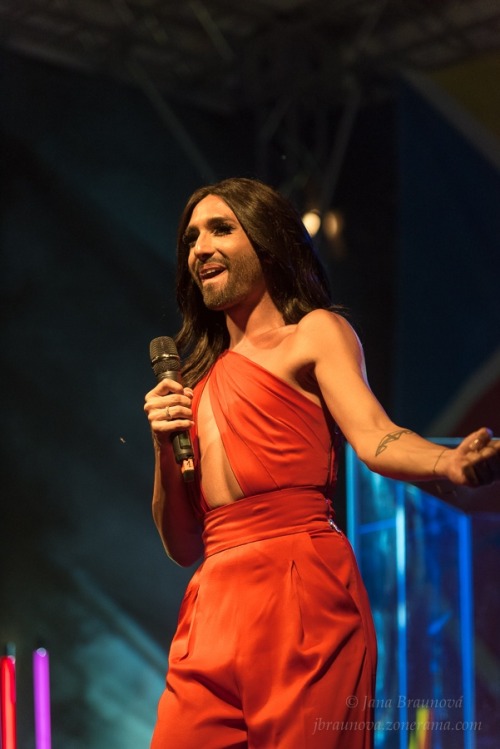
<point x="214" y="306"/>
<point x="218" y="301"/>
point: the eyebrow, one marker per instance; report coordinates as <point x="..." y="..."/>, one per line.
<point x="211" y="223"/>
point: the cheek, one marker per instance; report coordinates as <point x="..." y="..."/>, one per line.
<point x="193" y="278"/>
<point x="190" y="263"/>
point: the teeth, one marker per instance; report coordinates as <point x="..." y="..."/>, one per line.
<point x="210" y="272"/>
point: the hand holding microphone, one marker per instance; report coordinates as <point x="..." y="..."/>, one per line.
<point x="166" y="364"/>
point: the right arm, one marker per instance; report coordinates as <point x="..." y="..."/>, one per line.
<point x="179" y="529"/>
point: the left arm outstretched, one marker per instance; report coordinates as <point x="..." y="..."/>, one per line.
<point x="385" y="447"/>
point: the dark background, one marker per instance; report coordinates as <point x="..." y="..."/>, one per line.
<point x="92" y="185"/>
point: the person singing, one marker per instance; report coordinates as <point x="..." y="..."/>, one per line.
<point x="274" y="631"/>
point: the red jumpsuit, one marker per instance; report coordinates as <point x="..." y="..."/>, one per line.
<point x="275" y="645"/>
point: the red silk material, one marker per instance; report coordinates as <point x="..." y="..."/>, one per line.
<point x="275" y="644"/>
<point x="273" y="435"/>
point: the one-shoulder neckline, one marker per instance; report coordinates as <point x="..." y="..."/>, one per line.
<point x="273" y="376"/>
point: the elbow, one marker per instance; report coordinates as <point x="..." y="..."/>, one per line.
<point x="369" y="459"/>
<point x="183" y="545"/>
<point x="363" y="453"/>
<point x="185" y="554"/>
<point x="182" y="559"/>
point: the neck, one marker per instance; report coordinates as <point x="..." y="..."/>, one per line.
<point x="249" y="325"/>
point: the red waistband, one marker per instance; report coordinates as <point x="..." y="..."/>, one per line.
<point x="264" y="516"/>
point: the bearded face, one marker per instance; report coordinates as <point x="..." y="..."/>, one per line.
<point x="222" y="261"/>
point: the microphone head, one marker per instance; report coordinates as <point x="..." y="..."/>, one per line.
<point x="164" y="356"/>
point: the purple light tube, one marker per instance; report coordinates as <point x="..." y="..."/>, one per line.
<point x="41" y="689"/>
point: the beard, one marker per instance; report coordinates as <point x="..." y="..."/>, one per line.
<point x="244" y="277"/>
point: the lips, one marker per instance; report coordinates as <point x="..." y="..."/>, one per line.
<point x="210" y="270"/>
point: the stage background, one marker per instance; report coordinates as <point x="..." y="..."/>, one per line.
<point x="92" y="184"/>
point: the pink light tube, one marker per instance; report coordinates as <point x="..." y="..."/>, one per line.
<point x="41" y="689"/>
<point x="8" y="701"/>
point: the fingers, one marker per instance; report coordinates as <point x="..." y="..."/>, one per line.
<point x="477" y="459"/>
<point x="476" y="441"/>
<point x="173" y="408"/>
<point x="168" y="408"/>
<point x="166" y="386"/>
<point x="174" y="401"/>
<point x="484" y="466"/>
<point x="168" y="393"/>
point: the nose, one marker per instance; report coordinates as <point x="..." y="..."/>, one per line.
<point x="202" y="246"/>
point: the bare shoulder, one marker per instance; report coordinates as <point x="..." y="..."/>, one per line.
<point x="322" y="331"/>
<point x="318" y="318"/>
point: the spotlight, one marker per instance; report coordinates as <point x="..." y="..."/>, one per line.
<point x="333" y="224"/>
<point x="312" y="222"/>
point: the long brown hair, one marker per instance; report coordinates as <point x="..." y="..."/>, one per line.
<point x="294" y="275"/>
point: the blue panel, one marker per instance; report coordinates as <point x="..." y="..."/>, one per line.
<point x="417" y="555"/>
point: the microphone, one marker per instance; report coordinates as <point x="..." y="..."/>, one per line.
<point x="166" y="363"/>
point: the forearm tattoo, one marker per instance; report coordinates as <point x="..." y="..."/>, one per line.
<point x="391" y="437"/>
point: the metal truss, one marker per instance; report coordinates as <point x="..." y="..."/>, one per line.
<point x="286" y="63"/>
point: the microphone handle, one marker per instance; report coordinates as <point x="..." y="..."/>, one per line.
<point x="181" y="441"/>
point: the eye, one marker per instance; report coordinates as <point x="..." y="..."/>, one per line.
<point x="189" y="239"/>
<point x="222" y="228"/>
